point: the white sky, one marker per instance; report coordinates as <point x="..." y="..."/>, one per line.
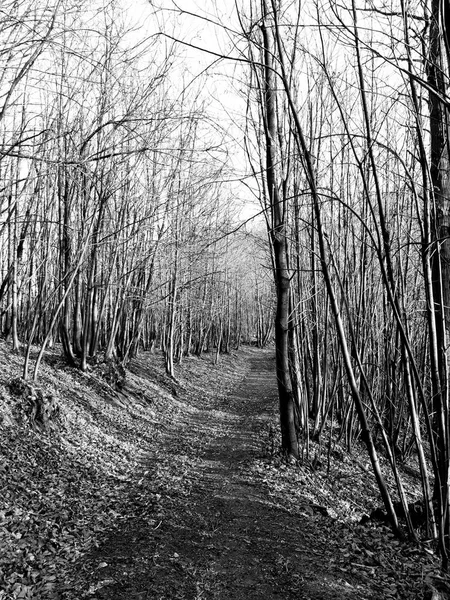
<point x="222" y="101"/>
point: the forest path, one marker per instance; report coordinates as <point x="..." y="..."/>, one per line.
<point x="222" y="533"/>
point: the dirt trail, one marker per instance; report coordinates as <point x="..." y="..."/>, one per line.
<point x="226" y="535"/>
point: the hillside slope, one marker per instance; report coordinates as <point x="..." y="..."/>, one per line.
<point x="142" y="487"/>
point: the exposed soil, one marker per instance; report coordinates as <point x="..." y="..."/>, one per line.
<point x="221" y="531"/>
<point x="143" y="488"/>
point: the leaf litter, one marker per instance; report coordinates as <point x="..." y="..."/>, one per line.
<point x="133" y="459"/>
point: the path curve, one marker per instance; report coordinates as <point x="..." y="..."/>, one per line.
<point x="228" y="537"/>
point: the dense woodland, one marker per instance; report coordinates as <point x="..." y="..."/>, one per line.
<point x="117" y="228"/>
<point x="122" y="227"/>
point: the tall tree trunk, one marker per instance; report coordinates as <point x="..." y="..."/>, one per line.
<point x="440" y="179"/>
<point x="279" y="242"/>
<point x="324" y="260"/>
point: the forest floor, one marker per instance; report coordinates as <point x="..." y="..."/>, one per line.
<point x="153" y="489"/>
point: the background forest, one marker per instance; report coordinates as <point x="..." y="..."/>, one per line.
<point x="123" y="176"/>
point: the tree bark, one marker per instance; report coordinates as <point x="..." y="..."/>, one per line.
<point x="440" y="229"/>
<point x="278" y="236"/>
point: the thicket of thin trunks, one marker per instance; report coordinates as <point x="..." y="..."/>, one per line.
<point x="119" y="230"/>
